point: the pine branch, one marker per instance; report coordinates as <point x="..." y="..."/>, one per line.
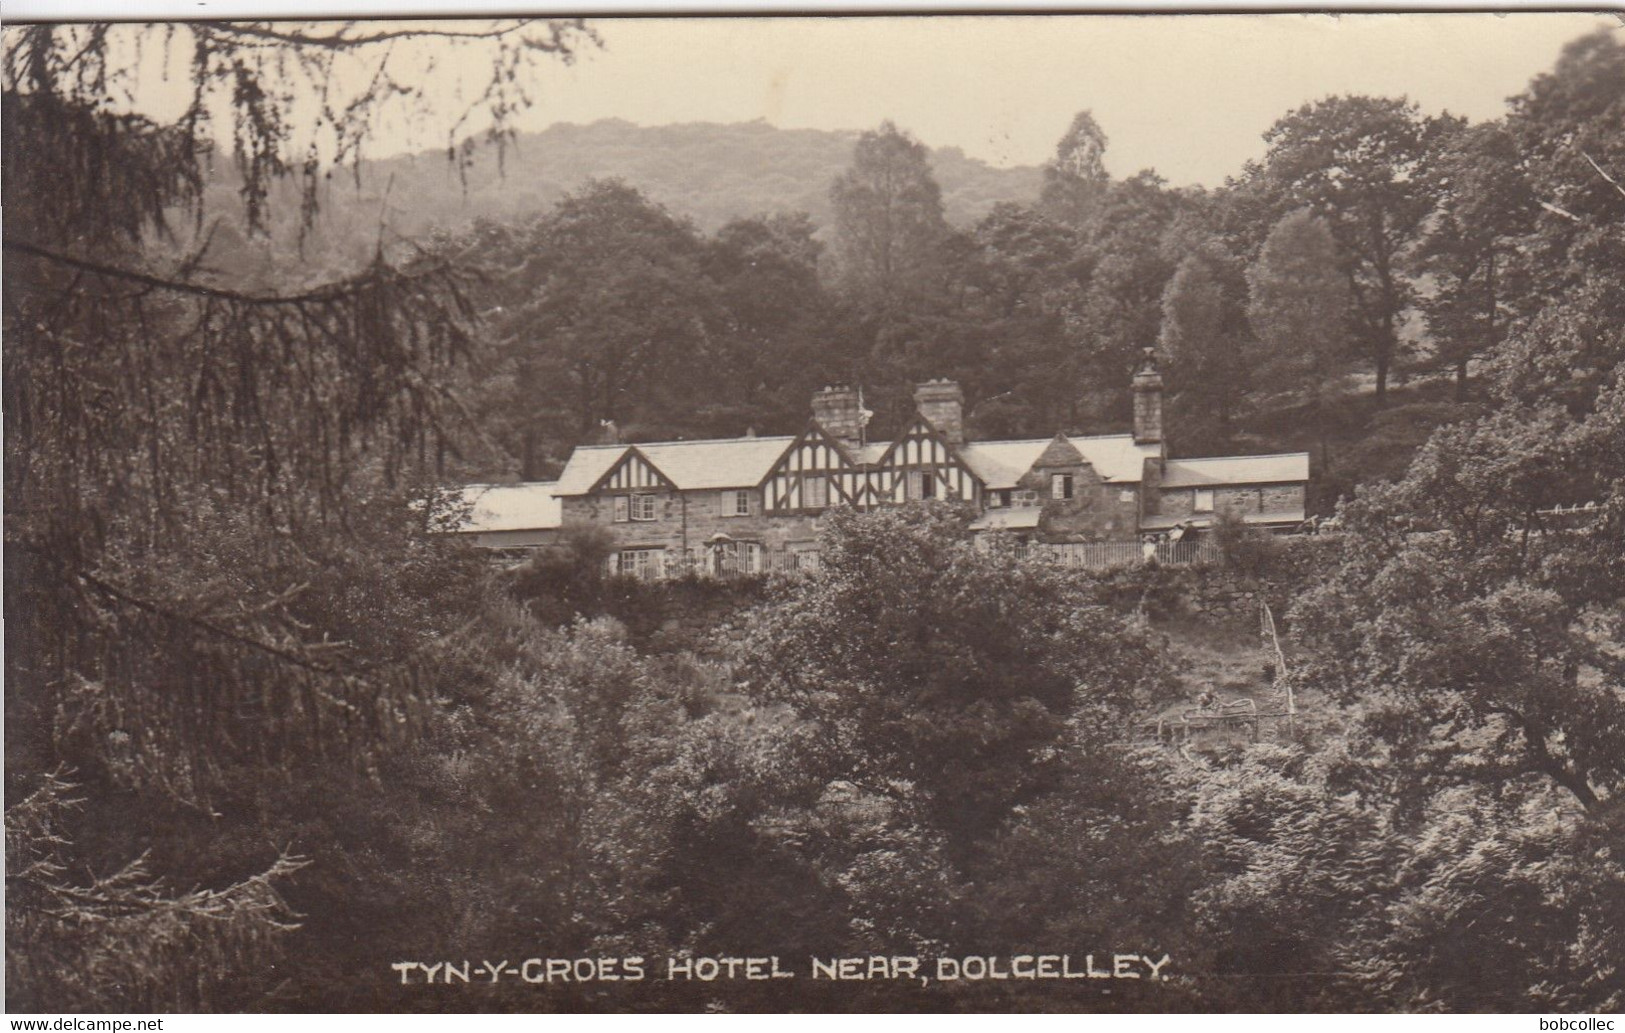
<point x="333" y="292"/>
<point x="338" y="41"/>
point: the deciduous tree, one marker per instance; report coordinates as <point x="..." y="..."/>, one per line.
<point x="1357" y="162"/>
<point x="888" y="221"/>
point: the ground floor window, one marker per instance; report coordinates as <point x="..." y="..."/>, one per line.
<point x="648" y="564"/>
<point x="1204" y="500"/>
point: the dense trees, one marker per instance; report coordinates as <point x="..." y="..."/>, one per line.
<point x="1484" y="206"/>
<point x="1298" y="299"/>
<point x="1206" y="341"/>
<point x="1357" y="162"/>
<point x="219" y="592"/>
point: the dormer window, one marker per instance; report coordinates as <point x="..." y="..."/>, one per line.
<point x="1060" y="485"/>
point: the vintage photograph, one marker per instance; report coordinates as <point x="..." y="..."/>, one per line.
<point x="933" y="513"/>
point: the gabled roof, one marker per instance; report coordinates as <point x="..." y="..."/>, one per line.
<point x="691" y="465"/>
<point x="1000" y="464"/>
<point x="1059" y="452"/>
<point x="1287" y="468"/>
<point x="512" y="507"/>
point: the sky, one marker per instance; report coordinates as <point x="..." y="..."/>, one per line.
<point x="1187" y="95"/>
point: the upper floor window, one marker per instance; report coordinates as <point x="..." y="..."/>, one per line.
<point x="1204" y="500"/>
<point x="1060" y="485"/>
<point x="815" y="493"/>
<point x="641" y="507"/>
<point x="736" y="502"/>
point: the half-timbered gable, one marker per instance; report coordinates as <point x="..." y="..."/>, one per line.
<point x="634" y="473"/>
<point x="921" y="464"/>
<point x="814" y="473"/>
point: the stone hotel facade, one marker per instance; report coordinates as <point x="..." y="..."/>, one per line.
<point x="735" y="501"/>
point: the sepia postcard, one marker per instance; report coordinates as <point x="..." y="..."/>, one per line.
<point x="1061" y="512"/>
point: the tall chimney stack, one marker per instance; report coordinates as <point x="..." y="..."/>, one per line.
<point x="943" y="403"/>
<point x="1148" y="402"/>
<point x="839" y="412"/>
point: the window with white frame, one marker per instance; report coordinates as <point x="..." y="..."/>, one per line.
<point x="1204" y="500"/>
<point x="815" y="493"/>
<point x="642" y="507"/>
<point x="1125" y="495"/>
<point x="647" y="564"/>
<point x="1060" y="486"/>
<point x="736" y="502"/>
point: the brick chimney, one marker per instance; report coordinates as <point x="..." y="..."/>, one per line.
<point x="840" y="412"/>
<point x="943" y="403"/>
<point x="1148" y="402"/>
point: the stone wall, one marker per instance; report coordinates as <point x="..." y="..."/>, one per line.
<point x="1273" y="498"/>
<point x="687" y="520"/>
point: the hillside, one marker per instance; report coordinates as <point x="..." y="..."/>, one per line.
<point x="708" y="172"/>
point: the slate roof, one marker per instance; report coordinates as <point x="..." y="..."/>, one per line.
<point x="744" y="462"/>
<point x="1286" y="468"/>
<point x="1000" y="464"/>
<point x="513" y="507"/>
<point x="690" y="465"/>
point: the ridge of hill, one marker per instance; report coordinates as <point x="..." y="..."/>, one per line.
<point x="708" y="172"/>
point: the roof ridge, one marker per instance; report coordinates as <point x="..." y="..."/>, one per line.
<point x="717" y="441"/>
<point x="1209" y="459"/>
<point x="691" y="441"/>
